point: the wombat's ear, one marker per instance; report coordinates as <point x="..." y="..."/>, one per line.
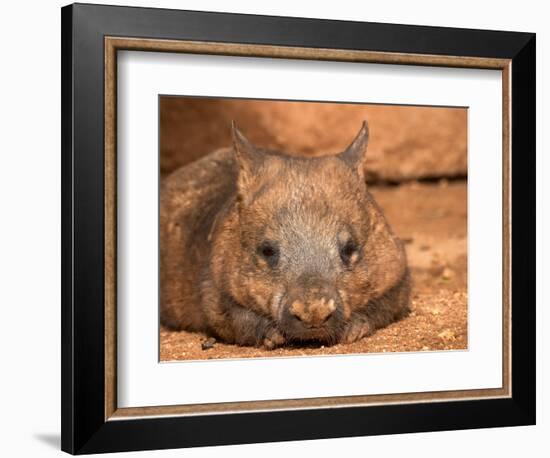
<point x="354" y="154"/>
<point x="249" y="158"/>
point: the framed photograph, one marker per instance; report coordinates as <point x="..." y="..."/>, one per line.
<point x="281" y="228"/>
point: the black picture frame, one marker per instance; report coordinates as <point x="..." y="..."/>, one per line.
<point x="84" y="428"/>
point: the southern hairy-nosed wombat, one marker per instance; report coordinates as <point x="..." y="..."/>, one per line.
<point x="261" y="248"/>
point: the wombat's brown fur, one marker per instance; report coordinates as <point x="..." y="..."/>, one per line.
<point x="259" y="248"/>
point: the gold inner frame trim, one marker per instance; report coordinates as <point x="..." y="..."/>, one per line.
<point x="112" y="45"/>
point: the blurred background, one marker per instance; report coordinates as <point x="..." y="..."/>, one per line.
<point x="406" y="142"/>
<point x="416" y="168"/>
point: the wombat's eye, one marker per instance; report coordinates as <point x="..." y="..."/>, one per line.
<point x="270" y="252"/>
<point x="348" y="252"/>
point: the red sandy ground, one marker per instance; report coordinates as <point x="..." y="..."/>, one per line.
<point x="431" y="219"/>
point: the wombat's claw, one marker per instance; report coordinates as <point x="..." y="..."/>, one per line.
<point x="356" y="331"/>
<point x="273" y="339"/>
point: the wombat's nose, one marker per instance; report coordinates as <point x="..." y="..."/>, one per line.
<point x="313" y="313"/>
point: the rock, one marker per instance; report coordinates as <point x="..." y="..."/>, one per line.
<point x="406" y="142"/>
<point x="208" y="343"/>
<point x="448" y="335"/>
<point x="447" y="273"/>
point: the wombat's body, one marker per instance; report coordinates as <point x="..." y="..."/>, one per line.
<point x="259" y="248"/>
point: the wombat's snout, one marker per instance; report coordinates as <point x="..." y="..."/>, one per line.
<point x="312" y="303"/>
<point x="313" y="313"/>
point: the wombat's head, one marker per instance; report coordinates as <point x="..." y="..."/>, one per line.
<point x="305" y="243"/>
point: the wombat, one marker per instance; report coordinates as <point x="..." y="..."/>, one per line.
<point x="263" y="248"/>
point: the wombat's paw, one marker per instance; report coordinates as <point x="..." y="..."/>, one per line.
<point x="273" y="339"/>
<point x="356" y="330"/>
